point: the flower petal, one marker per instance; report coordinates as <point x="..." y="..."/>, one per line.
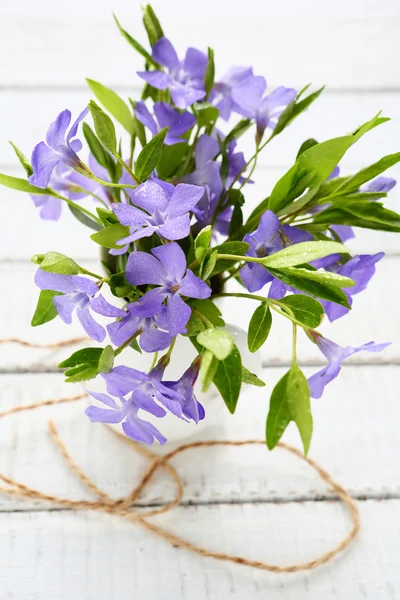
<point x="143" y="115"/>
<point x="64" y="307"/>
<point x="57" y="131"/>
<point x="178" y="314"/>
<point x="142" y="431"/>
<point x="195" y="63"/>
<point x="143" y="268"/>
<point x="105" y="415"/>
<point x="102" y="307"/>
<point x="165" y="54"/>
<point x="184" y="198"/>
<point x="156" y="79"/>
<point x="92" y="328"/>
<point x="185" y="95"/>
<point x="129" y="215"/>
<point x="248" y="95"/>
<point x="44" y="160"/>
<point x="151" y="196"/>
<point x="193" y="287"/>
<point x="173" y="259"/>
<point x="74" y="128"/>
<point x="255" y="277"/>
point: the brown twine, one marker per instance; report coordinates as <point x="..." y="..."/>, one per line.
<point x="123" y="507"/>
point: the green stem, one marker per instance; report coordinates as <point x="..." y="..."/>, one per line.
<point x="202" y="317"/>
<point x="113" y="185"/>
<point x="126" y="167"/>
<point x="154" y="362"/>
<point x="86" y="272"/>
<point x="238" y="258"/>
<point x="78" y="207"/>
<point x="127" y="343"/>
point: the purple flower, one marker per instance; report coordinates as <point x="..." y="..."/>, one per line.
<point x="236" y="165"/>
<point x="166" y="270"/>
<point x="59" y="147"/>
<point x="149" y="392"/>
<point x="191" y="407"/>
<point x="268" y="238"/>
<point x="141" y="316"/>
<point x="62" y="180"/>
<point x="379" y="184"/>
<point x="165" y="210"/>
<point x="221" y="94"/>
<point x="185" y="79"/>
<point x="78" y="293"/>
<point x="127" y="411"/>
<point x="360" y="268"/>
<point x="207" y="175"/>
<point x="266" y="110"/>
<point x="335" y="355"/>
<point x="177" y="122"/>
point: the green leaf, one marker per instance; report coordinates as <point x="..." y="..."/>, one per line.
<point x="306" y="145"/>
<point x="45" y="309"/>
<point x="218" y="341"/>
<point x="203" y="239"/>
<point x="250" y="378"/>
<point x="208" y="264"/>
<point x="16" y="183"/>
<point x="54" y="262"/>
<point x="321" y="284"/>
<point x="228" y="379"/>
<point x="210" y="73"/>
<point x="109" y="236"/>
<point x="295" y="108"/>
<point x="138" y="47"/>
<point x="209" y="310"/>
<point x="171" y="159"/>
<point x="84" y="218"/>
<point x="107" y="217"/>
<point x="150" y="155"/>
<point x="208" y="369"/>
<point x="353" y="183"/>
<point x="84" y="364"/>
<point x="106" y="360"/>
<point x="22" y="159"/>
<point x="195" y="325"/>
<point x="100" y="154"/>
<point x="368" y="215"/>
<point x="104" y="127"/>
<point x="113" y="103"/>
<point x="238" y="130"/>
<point x="323" y="158"/>
<point x="152" y="25"/>
<point x="305" y="309"/>
<point x="206" y="114"/>
<point x="259" y="327"/>
<point x="290" y="401"/>
<point x="304" y="252"/>
<point x="119" y="286"/>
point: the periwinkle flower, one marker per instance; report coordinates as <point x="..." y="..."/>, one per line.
<point x="163" y="209"/>
<point x="360" y="269"/>
<point x="335" y="355"/>
<point x="236" y="166"/>
<point x="177" y="122"/>
<point x="59" y="147"/>
<point x="184" y="79"/>
<point x="222" y="92"/>
<point x="268" y="238"/>
<point x="126" y="411"/>
<point x="379" y="184"/>
<point x="191" y="407"/>
<point x="265" y="110"/>
<point x="147" y="318"/>
<point x="149" y="392"/>
<point x="78" y="293"/>
<point x="62" y="180"/>
<point x="167" y="270"/>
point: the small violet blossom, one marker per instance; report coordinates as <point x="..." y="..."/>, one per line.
<point x="335" y="355"/>
<point x="59" y="147"/>
<point x="222" y="92"/>
<point x="266" y="110"/>
<point x="163" y="209"/>
<point x="166" y="270"/>
<point x="78" y="293"/>
<point x="360" y="269"/>
<point x="191" y="407"/>
<point x="268" y="238"/>
<point x="177" y="122"/>
<point x="184" y="79"/>
<point x="141" y="316"/>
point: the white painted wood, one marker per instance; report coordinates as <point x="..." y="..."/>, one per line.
<point x="28" y="114"/>
<point x="375" y="317"/>
<point x="347" y="52"/>
<point x="63" y="555"/>
<point x="355" y="439"/>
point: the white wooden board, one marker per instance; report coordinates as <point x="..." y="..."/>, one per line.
<point x="360" y="456"/>
<point x="59" y="555"/>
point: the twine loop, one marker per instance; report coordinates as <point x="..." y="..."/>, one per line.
<point x="124" y="507"/>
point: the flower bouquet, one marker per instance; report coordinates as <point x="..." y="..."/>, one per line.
<point x="169" y="210"/>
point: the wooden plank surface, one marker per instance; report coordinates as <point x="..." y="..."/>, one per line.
<point x="59" y="555"/>
<point x="360" y="456"/>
